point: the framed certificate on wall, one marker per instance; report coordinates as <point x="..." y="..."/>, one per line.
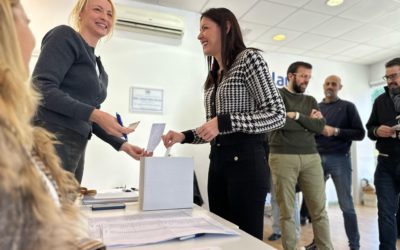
<point x="146" y="100"/>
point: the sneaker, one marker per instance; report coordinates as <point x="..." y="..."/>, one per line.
<point x="311" y="246"/>
<point x="274" y="237"/>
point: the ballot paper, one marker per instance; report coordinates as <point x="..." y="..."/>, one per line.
<point x="157" y="130"/>
<point x="131" y="230"/>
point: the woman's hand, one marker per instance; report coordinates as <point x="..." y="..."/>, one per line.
<point x="109" y="123"/>
<point x="172" y="137"/>
<point x="208" y="130"/>
<point x="134" y="151"/>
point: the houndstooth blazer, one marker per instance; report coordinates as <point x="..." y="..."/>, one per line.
<point x="246" y="99"/>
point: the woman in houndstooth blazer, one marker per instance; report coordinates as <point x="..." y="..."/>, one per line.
<point x="242" y="105"/>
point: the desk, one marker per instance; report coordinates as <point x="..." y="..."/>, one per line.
<point x="220" y="242"/>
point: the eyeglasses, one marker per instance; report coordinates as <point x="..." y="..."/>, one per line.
<point x="391" y="77"/>
<point x="303" y="76"/>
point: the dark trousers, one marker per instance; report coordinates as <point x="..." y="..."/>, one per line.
<point x="238" y="183"/>
<point x="398" y="220"/>
<point x="387" y="183"/>
<point x="338" y="166"/>
<point x="71" y="148"/>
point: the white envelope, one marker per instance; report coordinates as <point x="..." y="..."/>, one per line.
<point x="166" y="183"/>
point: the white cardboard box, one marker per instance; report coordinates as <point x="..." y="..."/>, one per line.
<point x="166" y="183"/>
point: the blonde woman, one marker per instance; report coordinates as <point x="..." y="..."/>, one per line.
<point x="36" y="196"/>
<point x="74" y="84"/>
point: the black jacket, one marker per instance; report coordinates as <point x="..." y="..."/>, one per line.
<point x="383" y="113"/>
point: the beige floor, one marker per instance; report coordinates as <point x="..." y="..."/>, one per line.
<point x="367" y="222"/>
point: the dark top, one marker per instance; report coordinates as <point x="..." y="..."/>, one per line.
<point x="297" y="136"/>
<point x="343" y="115"/>
<point x="383" y="113"/>
<point x="245" y="101"/>
<point x="66" y="76"/>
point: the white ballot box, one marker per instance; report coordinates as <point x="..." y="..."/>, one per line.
<point x="166" y="183"/>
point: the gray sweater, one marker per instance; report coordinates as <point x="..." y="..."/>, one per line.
<point x="66" y="76"/>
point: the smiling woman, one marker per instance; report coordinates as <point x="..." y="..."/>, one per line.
<point x="74" y="84"/>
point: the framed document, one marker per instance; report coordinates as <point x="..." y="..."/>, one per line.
<point x="146" y="100"/>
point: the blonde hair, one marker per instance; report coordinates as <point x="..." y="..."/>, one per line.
<point x="18" y="99"/>
<point x="45" y="226"/>
<point x="80" y="5"/>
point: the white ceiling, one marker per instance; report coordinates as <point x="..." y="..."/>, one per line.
<point x="358" y="31"/>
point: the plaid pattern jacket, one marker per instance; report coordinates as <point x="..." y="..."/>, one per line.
<point x="246" y="99"/>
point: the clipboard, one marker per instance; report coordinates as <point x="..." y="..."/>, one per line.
<point x="166" y="183"/>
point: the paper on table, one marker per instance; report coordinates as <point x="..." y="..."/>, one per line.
<point x="144" y="231"/>
<point x="96" y="223"/>
<point x="206" y="248"/>
<point x="157" y="130"/>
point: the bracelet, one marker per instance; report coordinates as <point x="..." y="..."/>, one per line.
<point x="337" y="131"/>
<point x="374" y="132"/>
<point x="297" y="116"/>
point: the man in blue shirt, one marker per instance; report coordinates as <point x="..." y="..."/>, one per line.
<point x="343" y="125"/>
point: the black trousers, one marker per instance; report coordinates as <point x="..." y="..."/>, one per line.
<point x="238" y="182"/>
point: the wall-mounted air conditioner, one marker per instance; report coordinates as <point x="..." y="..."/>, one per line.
<point x="132" y="19"/>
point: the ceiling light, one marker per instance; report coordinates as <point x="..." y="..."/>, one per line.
<point x="279" y="37"/>
<point x="334" y="3"/>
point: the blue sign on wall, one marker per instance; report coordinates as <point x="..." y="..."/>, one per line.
<point x="280" y="81"/>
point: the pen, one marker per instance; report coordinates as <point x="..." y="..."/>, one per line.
<point x="119" y="119"/>
<point x="192" y="236"/>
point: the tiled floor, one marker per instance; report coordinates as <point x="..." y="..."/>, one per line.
<point x="367" y="222"/>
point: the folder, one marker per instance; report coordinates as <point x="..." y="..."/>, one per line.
<point x="166" y="183"/>
<point x="110" y="197"/>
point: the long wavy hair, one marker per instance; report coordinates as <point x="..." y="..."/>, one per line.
<point x="231" y="42"/>
<point x="35" y="218"/>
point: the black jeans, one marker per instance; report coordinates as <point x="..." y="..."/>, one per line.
<point x="237" y="184"/>
<point x="387" y="184"/>
<point x="70" y="148"/>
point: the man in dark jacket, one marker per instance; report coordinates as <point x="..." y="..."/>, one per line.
<point x="343" y="125"/>
<point x="383" y="127"/>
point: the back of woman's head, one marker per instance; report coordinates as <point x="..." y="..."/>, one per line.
<point x="18" y="101"/>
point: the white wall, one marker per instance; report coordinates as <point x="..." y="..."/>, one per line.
<point x="180" y="69"/>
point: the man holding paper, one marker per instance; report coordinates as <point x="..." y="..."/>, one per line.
<point x="242" y="104"/>
<point x="382" y="127"/>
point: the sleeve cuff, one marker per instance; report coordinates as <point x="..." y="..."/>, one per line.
<point x="189" y="136"/>
<point x="297" y="116"/>
<point x="224" y="123"/>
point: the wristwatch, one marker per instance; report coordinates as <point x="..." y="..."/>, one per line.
<point x="337" y="131"/>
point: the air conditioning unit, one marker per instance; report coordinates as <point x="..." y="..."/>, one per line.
<point x="132" y="19"/>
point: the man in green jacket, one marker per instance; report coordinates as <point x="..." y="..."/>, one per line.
<point x="294" y="159"/>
